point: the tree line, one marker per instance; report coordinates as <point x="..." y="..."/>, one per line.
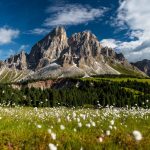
<point x="85" y="94"/>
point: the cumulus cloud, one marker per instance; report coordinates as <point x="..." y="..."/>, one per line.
<point x="38" y="31"/>
<point x="7" y="35"/>
<point x="135" y="15"/>
<point x="111" y="43"/>
<point x="72" y="14"/>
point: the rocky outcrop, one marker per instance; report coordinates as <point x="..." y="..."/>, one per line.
<point x="18" y="61"/>
<point x="37" y="84"/>
<point x="143" y="65"/>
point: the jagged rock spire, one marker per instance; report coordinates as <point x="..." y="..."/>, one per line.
<point x="48" y="49"/>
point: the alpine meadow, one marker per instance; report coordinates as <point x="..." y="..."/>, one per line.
<point x="74" y="75"/>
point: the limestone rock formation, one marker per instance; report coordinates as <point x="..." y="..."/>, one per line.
<point x="18" y="61"/>
<point x="48" y="49"/>
<point x="57" y="56"/>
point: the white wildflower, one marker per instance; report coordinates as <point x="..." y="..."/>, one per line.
<point x="137" y="135"/>
<point x="75" y="130"/>
<point x="88" y="125"/>
<point x="110" y="127"/>
<point x="107" y="132"/>
<point x="112" y="122"/>
<point x="53" y="136"/>
<point x="74" y="115"/>
<point x="79" y="124"/>
<point x="39" y="126"/>
<point x="52" y="146"/>
<point x="93" y="124"/>
<point x="62" y="127"/>
<point x="49" y="131"/>
<point x="100" y="139"/>
<point x="78" y="119"/>
<point x="35" y="108"/>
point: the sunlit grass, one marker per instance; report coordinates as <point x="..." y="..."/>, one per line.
<point x="97" y="79"/>
<point x="32" y="128"/>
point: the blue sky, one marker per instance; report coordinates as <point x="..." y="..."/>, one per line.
<point x="120" y="24"/>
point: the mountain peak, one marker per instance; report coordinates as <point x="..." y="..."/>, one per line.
<point x="59" y="30"/>
<point x="49" y="48"/>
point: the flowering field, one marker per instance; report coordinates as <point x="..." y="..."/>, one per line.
<point x="76" y="129"/>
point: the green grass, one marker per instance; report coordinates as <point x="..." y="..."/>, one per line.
<point x="19" y="128"/>
<point x="128" y="71"/>
<point x="117" y="79"/>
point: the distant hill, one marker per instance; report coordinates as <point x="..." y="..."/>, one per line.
<point x="143" y="65"/>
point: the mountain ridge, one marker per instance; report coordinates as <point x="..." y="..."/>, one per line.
<point x="57" y="56"/>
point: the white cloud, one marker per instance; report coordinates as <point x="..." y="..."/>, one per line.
<point x="72" y="14"/>
<point x="7" y="35"/>
<point x="111" y="43"/>
<point x="127" y="48"/>
<point x="39" y="31"/>
<point x="135" y="14"/>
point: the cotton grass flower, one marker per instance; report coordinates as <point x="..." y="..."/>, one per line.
<point x="75" y="130"/>
<point x="39" y="126"/>
<point x="49" y="131"/>
<point x="107" y="132"/>
<point x="78" y="119"/>
<point x="88" y="125"/>
<point x="79" y="124"/>
<point x="137" y="135"/>
<point x="110" y="127"/>
<point x="52" y="146"/>
<point x="62" y="127"/>
<point x="74" y="115"/>
<point x="112" y="122"/>
<point x="93" y="123"/>
<point x="53" y="136"/>
<point x="100" y="139"/>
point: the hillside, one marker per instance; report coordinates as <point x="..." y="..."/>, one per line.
<point x="143" y="65"/>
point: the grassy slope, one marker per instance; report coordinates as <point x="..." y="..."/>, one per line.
<point x="117" y="79"/>
<point x="11" y="76"/>
<point x="124" y="70"/>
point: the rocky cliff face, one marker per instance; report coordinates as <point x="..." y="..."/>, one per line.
<point x="58" y="56"/>
<point x="85" y="53"/>
<point x="83" y="47"/>
<point x="48" y="49"/>
<point x="143" y="65"/>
